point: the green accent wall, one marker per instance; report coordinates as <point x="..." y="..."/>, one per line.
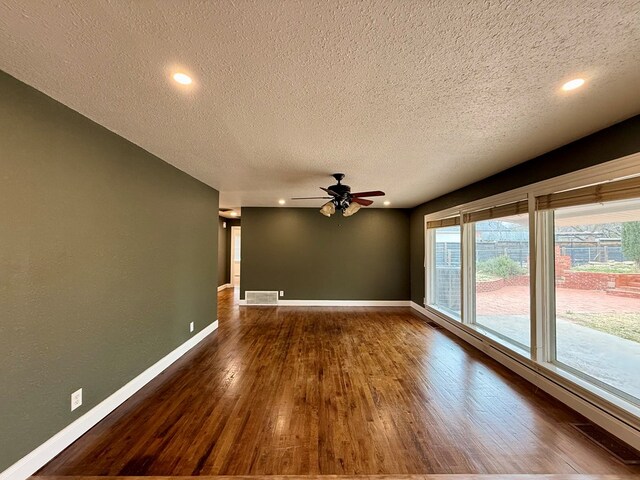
<point x="224" y="248"/>
<point x="312" y="257"/>
<point x="106" y="254"/>
<point x="609" y="144"/>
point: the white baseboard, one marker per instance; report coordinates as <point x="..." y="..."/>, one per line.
<point x="29" y="464"/>
<point x="222" y="287"/>
<point x="338" y="303"/>
<point x="535" y="374"/>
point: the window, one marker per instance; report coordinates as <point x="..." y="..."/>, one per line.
<point x="502" y="295"/>
<point x="445" y="274"/>
<point x="585" y="321"/>
<point x="597" y="293"/>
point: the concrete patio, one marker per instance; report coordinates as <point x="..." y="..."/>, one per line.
<point x="610" y="359"/>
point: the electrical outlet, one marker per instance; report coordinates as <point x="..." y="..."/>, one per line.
<point x="191" y="327"/>
<point x="282" y="293"/>
<point x="76" y="399"/>
<point x="224" y="224"/>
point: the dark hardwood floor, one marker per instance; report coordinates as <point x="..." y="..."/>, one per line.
<point x="309" y="391"/>
<point x="558" y="476"/>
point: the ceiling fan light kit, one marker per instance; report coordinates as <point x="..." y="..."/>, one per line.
<point x="342" y="199"/>
<point x="351" y="209"/>
<point x="328" y="209"/>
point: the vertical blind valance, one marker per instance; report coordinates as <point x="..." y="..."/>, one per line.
<point x="445" y="222"/>
<point x="500" y="211"/>
<point x="604" y="192"/>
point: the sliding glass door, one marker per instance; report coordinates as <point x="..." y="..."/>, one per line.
<point x="446" y="274"/>
<point x="597" y="293"/>
<point x="501" y="280"/>
<point x="586" y="289"/>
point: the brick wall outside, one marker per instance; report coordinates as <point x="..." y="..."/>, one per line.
<point x="565" y="278"/>
<point x="587" y="280"/>
<point x="563" y="263"/>
<point x="493" y="285"/>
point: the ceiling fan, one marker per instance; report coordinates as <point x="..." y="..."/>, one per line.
<point x="341" y="198"/>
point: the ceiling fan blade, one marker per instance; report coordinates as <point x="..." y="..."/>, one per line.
<point x="330" y="192"/>
<point x="362" y="201"/>
<point x="310" y="198"/>
<point x="375" y="193"/>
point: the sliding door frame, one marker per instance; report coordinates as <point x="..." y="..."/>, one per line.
<point x="541" y="357"/>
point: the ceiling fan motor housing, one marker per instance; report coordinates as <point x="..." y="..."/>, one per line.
<point x="342" y="199"/>
<point x="339" y="188"/>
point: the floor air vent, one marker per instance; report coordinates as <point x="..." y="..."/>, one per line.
<point x="615" y="447"/>
<point x="261" y="298"/>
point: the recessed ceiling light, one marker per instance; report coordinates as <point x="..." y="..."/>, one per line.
<point x="281" y="201"/>
<point x="573" y="84"/>
<point x="182" y="78"/>
<point x="233" y="214"/>
<point x="387" y="203"/>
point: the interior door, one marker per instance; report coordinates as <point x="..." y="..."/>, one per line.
<point x="235" y="255"/>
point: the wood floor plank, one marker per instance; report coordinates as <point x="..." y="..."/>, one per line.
<point x="334" y="391"/>
<point x="355" y="477"/>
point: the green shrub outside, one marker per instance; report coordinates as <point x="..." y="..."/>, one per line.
<point x="499" y="267"/>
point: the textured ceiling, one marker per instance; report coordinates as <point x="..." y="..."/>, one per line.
<point x="415" y="98"/>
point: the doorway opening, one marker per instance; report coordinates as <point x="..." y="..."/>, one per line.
<point x="235" y="256"/>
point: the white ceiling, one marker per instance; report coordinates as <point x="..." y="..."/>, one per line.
<point x="415" y="98"/>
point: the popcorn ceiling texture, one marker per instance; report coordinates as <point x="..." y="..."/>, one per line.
<point x="412" y="97"/>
